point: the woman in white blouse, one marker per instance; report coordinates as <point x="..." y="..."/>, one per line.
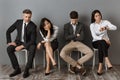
<point x="101" y="40"/>
<point x="48" y="33"/>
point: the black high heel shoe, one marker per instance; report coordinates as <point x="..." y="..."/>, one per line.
<point x="110" y="68"/>
<point x="55" y="66"/>
<point x="99" y="73"/>
<point x="47" y="74"/>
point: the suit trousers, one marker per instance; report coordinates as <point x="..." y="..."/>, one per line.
<point x="13" y="58"/>
<point x="67" y="49"/>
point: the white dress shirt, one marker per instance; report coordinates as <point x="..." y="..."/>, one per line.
<point x="74" y="27"/>
<point x="95" y="30"/>
<point x="54" y="36"/>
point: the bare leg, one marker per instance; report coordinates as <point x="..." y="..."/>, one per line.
<point x="38" y="45"/>
<point x="48" y="63"/>
<point x="100" y="68"/>
<point x="49" y="51"/>
<point x="107" y="61"/>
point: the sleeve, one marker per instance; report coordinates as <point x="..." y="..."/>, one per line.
<point x="93" y="33"/>
<point x="110" y="25"/>
<point x="81" y="32"/>
<point x="54" y="36"/>
<point x="9" y="31"/>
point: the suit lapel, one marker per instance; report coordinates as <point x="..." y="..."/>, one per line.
<point x="28" y="25"/>
<point x="20" y="27"/>
<point x="71" y="29"/>
<point x="77" y="28"/>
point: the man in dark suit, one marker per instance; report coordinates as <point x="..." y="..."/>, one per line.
<point x="74" y="35"/>
<point x="26" y="38"/>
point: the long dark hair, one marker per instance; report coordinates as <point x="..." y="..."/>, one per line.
<point x="42" y="24"/>
<point x="93" y="15"/>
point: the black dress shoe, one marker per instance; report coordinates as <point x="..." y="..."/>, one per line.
<point x="82" y="71"/>
<point x="99" y="73"/>
<point x="16" y="72"/>
<point x="47" y="74"/>
<point x="26" y="74"/>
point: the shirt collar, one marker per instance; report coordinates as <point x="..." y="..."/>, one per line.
<point x="25" y="22"/>
<point x="99" y="23"/>
<point x="72" y="24"/>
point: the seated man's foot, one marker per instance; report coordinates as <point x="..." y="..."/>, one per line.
<point x="82" y="71"/>
<point x="26" y="74"/>
<point x="72" y="69"/>
<point x="16" y="72"/>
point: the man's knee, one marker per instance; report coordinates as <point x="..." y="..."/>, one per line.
<point x="32" y="48"/>
<point x="62" y="54"/>
<point x="10" y="48"/>
<point x="91" y="53"/>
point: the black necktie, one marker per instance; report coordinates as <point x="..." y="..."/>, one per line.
<point x="24" y="32"/>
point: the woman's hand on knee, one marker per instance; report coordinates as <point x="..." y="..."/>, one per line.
<point x="47" y="44"/>
<point x="38" y="45"/>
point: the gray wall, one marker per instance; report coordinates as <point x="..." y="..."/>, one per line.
<point x="57" y="11"/>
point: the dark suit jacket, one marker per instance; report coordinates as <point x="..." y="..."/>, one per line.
<point x="68" y="32"/>
<point x="30" y="33"/>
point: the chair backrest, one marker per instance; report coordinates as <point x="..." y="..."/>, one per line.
<point x="95" y="49"/>
<point x="24" y="50"/>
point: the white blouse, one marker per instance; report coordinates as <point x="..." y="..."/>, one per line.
<point x="95" y="30"/>
<point x="53" y="36"/>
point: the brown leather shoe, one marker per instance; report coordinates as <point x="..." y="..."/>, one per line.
<point x="72" y="69"/>
<point x="82" y="71"/>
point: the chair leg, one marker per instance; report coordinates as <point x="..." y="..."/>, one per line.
<point x="18" y="58"/>
<point x="93" y="62"/>
<point x="93" y="66"/>
<point x="106" y="67"/>
<point x="34" y="64"/>
<point x="54" y="54"/>
<point x="58" y="59"/>
<point x="81" y="56"/>
<point x="69" y="64"/>
<point x="44" y="59"/>
<point x="26" y="56"/>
